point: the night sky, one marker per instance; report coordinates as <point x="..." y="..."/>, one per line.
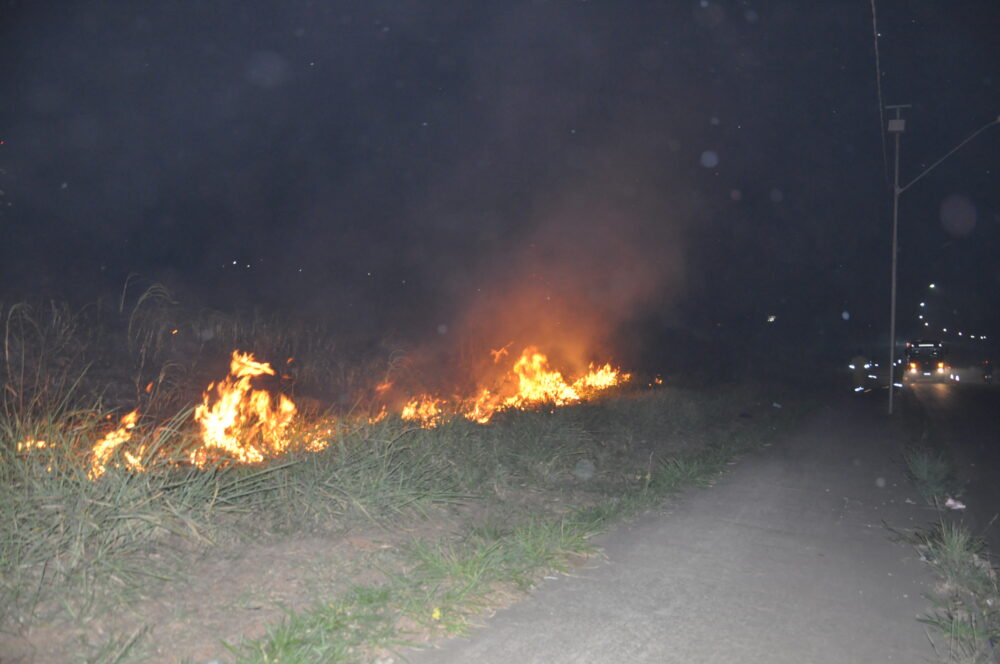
<point x="646" y="169"/>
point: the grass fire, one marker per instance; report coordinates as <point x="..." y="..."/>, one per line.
<point x="529" y="383"/>
<point x="239" y="422"/>
<point x="179" y="443"/>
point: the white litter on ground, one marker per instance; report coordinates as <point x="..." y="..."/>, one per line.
<point x="953" y="504"/>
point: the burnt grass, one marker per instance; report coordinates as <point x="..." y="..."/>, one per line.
<point x="167" y="565"/>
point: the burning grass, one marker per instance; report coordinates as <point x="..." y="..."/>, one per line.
<point x="242" y="424"/>
<point x="69" y="541"/>
<point x="99" y="504"/>
<point x="530" y="383"/>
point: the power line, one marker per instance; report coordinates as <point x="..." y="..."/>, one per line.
<point x="878" y="89"/>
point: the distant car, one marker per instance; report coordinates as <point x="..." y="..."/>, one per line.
<point x="926" y="361"/>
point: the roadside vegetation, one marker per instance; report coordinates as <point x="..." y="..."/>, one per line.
<point x="965" y="606"/>
<point x="966" y="602"/>
<point x="932" y="473"/>
<point x="392" y="534"/>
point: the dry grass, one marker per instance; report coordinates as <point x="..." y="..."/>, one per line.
<point x="72" y="548"/>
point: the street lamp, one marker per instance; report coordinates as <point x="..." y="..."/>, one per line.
<point x="897" y="126"/>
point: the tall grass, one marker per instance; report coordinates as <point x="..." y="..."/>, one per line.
<point x="60" y="530"/>
<point x="77" y="546"/>
<point x="67" y="374"/>
<point x="966" y="603"/>
<point x="932" y="473"/>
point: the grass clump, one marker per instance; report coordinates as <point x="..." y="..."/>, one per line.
<point x="932" y="472"/>
<point x="966" y="602"/>
<point x="340" y="631"/>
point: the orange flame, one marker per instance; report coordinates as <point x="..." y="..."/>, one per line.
<point x="239" y="422"/>
<point x="28" y="446"/>
<point x="530" y="382"/>
<point x="598" y="379"/>
<point x="425" y="411"/>
<point x="499" y="353"/>
<point x="382" y="413"/>
<point x="31" y="444"/>
<point x="106" y="446"/>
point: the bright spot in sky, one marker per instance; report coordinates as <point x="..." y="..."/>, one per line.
<point x="958" y="215"/>
<point x="772" y="318"/>
<point x="776" y="195"/>
<point x="709" y="159"/>
<point x="923" y="304"/>
<point x="845" y="314"/>
<point x="933" y="286"/>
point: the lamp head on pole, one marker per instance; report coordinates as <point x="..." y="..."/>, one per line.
<point x="897" y="125"/>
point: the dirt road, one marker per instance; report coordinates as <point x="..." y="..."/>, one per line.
<point x="785" y="559"/>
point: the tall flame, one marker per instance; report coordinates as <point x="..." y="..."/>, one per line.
<point x="239" y="422"/>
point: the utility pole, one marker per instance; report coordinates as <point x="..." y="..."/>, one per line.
<point x="897" y="126"/>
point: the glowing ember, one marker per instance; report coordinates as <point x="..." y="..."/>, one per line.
<point x="382" y="413"/>
<point x="239" y="422"/>
<point x="105" y="447"/>
<point x="26" y="446"/>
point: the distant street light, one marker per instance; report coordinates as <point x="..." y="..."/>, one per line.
<point x="897" y="126"/>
